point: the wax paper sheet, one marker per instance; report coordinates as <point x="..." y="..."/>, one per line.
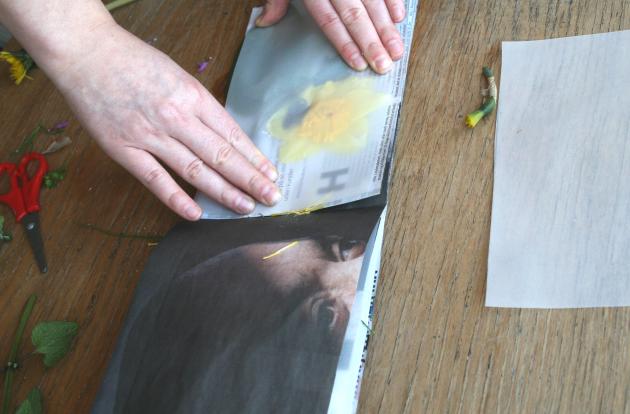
<point x="560" y="233"/>
<point x="284" y="75"/>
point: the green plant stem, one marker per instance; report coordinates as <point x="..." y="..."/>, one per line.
<point x="117" y="3"/>
<point x="122" y="235"/>
<point x="488" y="106"/>
<point x="370" y="331"/>
<point x="12" y="360"/>
<point x="27" y="143"/>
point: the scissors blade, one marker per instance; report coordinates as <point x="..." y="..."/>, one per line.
<point x="34" y="236"/>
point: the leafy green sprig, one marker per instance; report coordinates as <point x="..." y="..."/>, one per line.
<point x="52" y="339"/>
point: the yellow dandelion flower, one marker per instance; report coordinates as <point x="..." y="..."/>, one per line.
<point x="337" y="119"/>
<point x="20" y="64"/>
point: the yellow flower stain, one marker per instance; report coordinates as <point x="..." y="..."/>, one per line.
<point x="337" y="119"/>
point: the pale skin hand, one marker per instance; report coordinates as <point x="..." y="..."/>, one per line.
<point x="362" y="31"/>
<point x="141" y="107"/>
<point x="158" y="111"/>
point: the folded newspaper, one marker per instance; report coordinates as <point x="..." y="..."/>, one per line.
<point x="273" y="314"/>
<point x="327" y="128"/>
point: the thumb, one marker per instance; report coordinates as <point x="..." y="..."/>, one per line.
<point x="274" y="11"/>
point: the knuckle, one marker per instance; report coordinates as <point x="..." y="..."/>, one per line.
<point x="176" y="199"/>
<point x="196" y="92"/>
<point x="352" y="15"/>
<point x="234" y="135"/>
<point x="153" y="176"/>
<point x="254" y="183"/>
<point x="193" y="169"/>
<point x="168" y="113"/>
<point x="375" y="50"/>
<point x="258" y="160"/>
<point x="328" y="20"/>
<point x="348" y="50"/>
<point x="140" y="129"/>
<point x="227" y="197"/>
<point x="388" y="34"/>
<point x="396" y="4"/>
<point x="223" y="154"/>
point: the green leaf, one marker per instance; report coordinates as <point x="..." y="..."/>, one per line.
<point x="53" y="339"/>
<point x="32" y="404"/>
<point x="53" y="178"/>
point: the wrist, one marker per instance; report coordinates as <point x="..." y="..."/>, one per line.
<point x="57" y="33"/>
<point x="65" y="61"/>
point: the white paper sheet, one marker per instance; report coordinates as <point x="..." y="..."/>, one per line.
<point x="560" y="232"/>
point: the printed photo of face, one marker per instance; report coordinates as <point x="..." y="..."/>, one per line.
<point x="246" y="329"/>
<point x="324" y="272"/>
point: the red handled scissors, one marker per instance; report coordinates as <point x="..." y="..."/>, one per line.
<point x="23" y="199"/>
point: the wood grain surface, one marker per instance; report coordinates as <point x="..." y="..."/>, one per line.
<point x="435" y="347"/>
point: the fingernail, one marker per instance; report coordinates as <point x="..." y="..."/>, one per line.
<point x="245" y="205"/>
<point x="357" y="61"/>
<point x="269" y="171"/>
<point x="260" y="19"/>
<point x="383" y="64"/>
<point x="271" y="195"/>
<point x="193" y="212"/>
<point x="395" y="47"/>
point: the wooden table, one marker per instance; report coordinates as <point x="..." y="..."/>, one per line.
<point x="435" y="348"/>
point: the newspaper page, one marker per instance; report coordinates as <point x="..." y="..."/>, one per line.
<point x="345" y="393"/>
<point x="327" y="128"/>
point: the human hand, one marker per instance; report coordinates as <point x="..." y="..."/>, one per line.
<point x="362" y="31"/>
<point x="142" y="107"/>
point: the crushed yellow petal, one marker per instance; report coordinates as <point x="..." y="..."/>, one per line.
<point x="18" y="71"/>
<point x="337" y="119"/>
<point x="301" y="212"/>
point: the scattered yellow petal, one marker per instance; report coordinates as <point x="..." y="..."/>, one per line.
<point x="18" y="70"/>
<point x="337" y="119"/>
<point x="301" y="212"/>
<point x="279" y="251"/>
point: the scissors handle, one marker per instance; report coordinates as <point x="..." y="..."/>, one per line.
<point x="13" y="198"/>
<point x="32" y="185"/>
